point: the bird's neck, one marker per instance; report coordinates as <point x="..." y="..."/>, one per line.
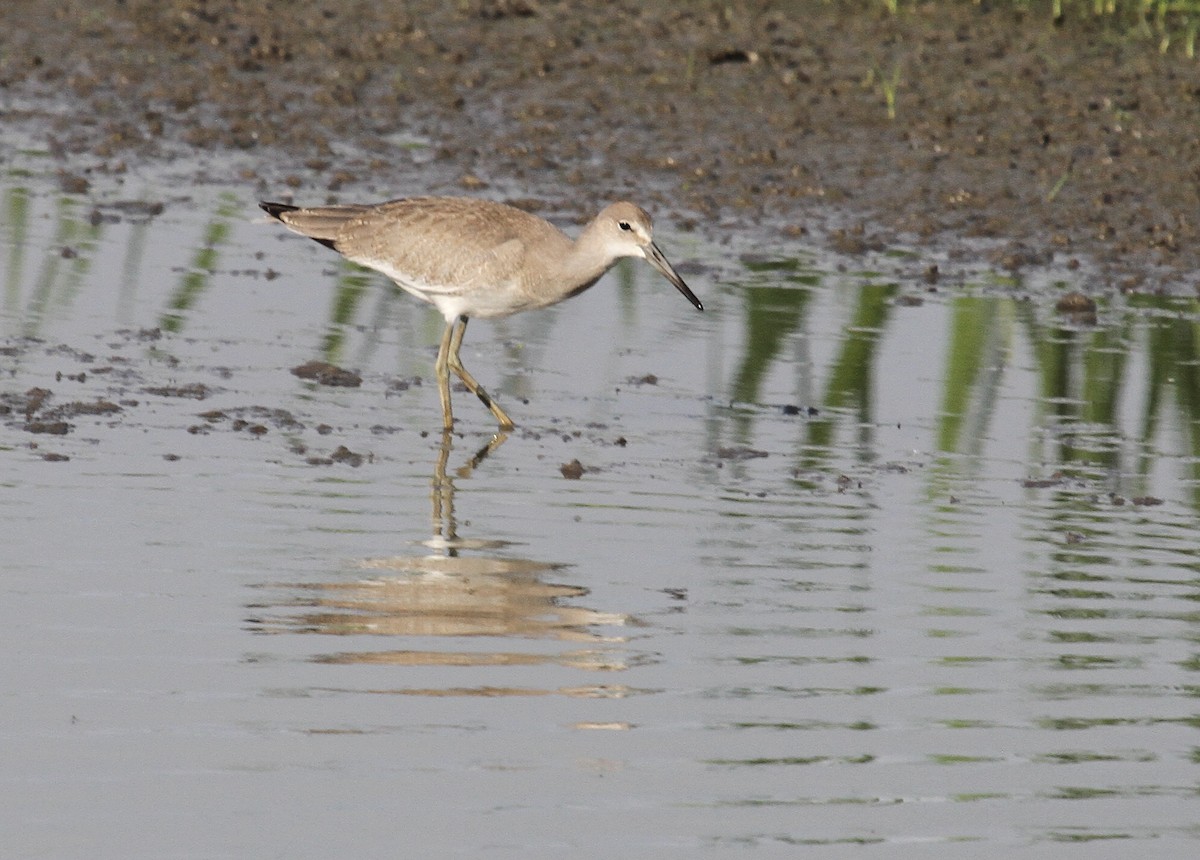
<point x="567" y="269"/>
<point x="587" y="260"/>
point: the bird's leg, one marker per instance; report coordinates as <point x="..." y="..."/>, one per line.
<point x="441" y="369"/>
<point x="455" y="364"/>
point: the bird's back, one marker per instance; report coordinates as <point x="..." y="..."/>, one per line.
<point x="465" y="255"/>
<point x="450" y="239"/>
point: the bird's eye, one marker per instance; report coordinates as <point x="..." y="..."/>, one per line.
<point x="624" y="225"/>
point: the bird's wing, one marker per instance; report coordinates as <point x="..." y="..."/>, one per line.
<point x="434" y="253"/>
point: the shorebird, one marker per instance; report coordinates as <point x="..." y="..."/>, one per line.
<point x="478" y="258"/>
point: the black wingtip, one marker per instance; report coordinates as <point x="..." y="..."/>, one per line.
<point x="276" y="209"/>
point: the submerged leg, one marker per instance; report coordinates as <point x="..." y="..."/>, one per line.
<point x="441" y="369"/>
<point x="455" y="363"/>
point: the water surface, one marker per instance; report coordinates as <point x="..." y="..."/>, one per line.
<point x="855" y="563"/>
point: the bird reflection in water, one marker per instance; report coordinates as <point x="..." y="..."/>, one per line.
<point x="462" y="588"/>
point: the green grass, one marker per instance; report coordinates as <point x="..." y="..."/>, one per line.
<point x="1170" y="22"/>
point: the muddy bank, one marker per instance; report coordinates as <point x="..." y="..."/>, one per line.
<point x="1056" y="142"/>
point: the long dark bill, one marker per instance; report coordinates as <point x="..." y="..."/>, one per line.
<point x="658" y="261"/>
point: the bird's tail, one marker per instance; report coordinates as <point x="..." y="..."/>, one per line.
<point x="276" y="210"/>
<point x="321" y="223"/>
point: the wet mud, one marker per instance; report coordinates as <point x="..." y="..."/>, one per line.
<point x="988" y="133"/>
<point x="120" y="393"/>
<point x="93" y="395"/>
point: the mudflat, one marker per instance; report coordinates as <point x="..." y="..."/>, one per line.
<point x="937" y="127"/>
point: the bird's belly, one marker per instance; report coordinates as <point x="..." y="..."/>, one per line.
<point x="478" y="302"/>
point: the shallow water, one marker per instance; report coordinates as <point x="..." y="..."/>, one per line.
<point x="854" y="564"/>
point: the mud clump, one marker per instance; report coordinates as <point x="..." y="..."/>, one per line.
<point x="192" y="391"/>
<point x="252" y="419"/>
<point x="1077" y="308"/>
<point x="54" y="428"/>
<point x="342" y="455"/>
<point x="324" y="373"/>
<point x="32" y="401"/>
<point x="98" y="407"/>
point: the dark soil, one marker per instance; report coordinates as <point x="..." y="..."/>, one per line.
<point x="1057" y="142"/>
